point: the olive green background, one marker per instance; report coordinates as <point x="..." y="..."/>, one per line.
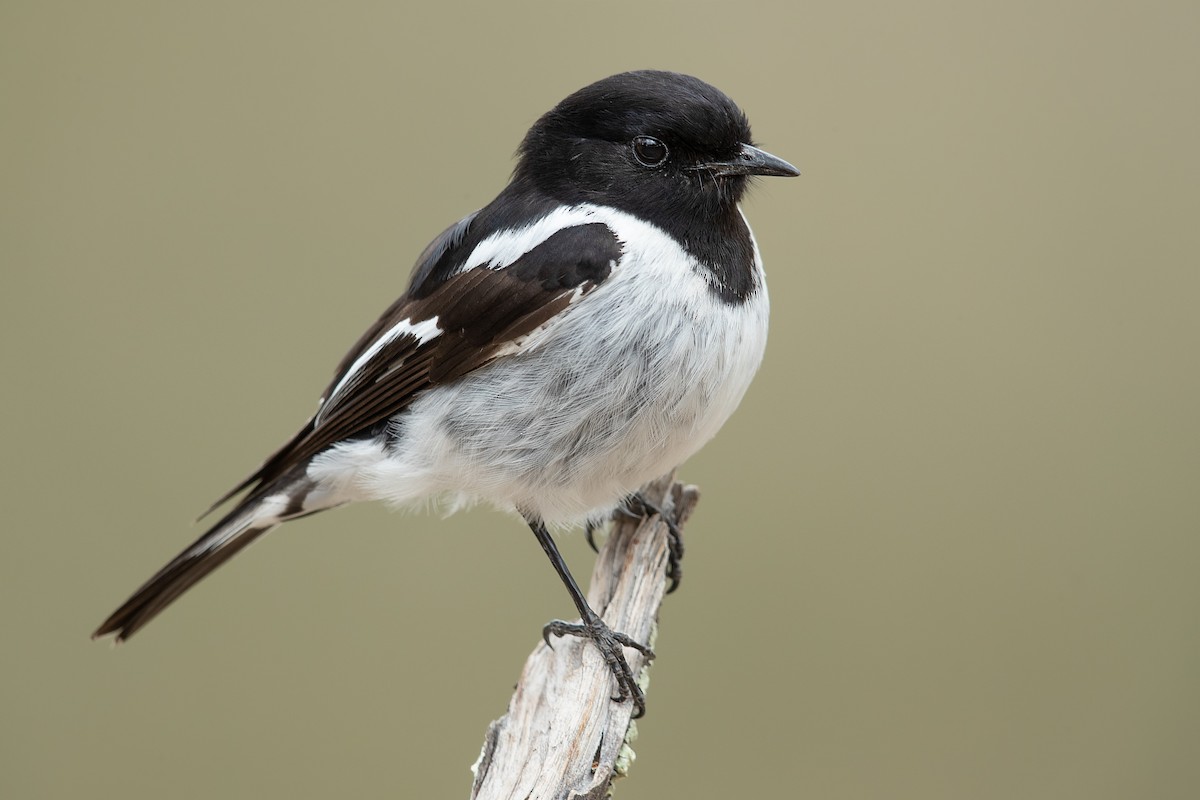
<point x="948" y="547"/>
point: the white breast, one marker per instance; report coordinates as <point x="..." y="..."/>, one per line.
<point x="619" y="389"/>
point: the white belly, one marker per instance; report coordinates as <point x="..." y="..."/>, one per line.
<point x="625" y="386"/>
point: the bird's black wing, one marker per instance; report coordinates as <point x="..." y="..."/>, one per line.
<point x="448" y="324"/>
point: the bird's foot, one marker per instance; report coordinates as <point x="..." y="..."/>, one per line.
<point x="589" y="533"/>
<point x="638" y="506"/>
<point x="609" y="643"/>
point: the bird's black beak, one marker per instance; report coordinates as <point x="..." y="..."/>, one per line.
<point x="752" y="161"/>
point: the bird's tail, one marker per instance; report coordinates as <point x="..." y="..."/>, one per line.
<point x="256" y="514"/>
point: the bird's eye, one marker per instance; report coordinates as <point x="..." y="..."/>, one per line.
<point x="649" y="152"/>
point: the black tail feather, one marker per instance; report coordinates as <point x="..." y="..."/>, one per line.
<point x="183" y="571"/>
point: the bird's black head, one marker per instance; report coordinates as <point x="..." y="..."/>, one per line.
<point x="647" y="142"/>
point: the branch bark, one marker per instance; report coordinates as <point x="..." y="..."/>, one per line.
<point x="563" y="736"/>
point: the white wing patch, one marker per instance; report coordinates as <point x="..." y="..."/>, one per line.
<point x="503" y="248"/>
<point x="423" y="332"/>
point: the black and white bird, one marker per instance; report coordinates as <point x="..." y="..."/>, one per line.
<point x="587" y="331"/>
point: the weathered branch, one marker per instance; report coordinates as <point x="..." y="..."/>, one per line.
<point x="563" y="736"/>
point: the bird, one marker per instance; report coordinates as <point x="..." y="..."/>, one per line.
<point x="585" y="332"/>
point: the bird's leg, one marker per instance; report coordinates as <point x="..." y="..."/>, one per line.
<point x="638" y="506"/>
<point x="607" y="641"/>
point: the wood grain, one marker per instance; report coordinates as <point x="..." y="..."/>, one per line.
<point x="563" y="736"/>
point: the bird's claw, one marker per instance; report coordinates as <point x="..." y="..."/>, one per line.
<point x="638" y="506"/>
<point x="609" y="643"/>
<point x="589" y="534"/>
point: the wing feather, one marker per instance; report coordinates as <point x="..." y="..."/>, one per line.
<point x="481" y="314"/>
